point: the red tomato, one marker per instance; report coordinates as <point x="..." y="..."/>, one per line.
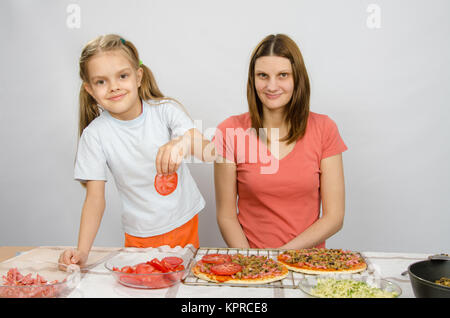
<point x="226" y="269"/>
<point x="171" y="262"/>
<point x="216" y="258"/>
<point x="127" y="269"/>
<point x="166" y="184"/>
<point x="130" y="280"/>
<point x="156" y="263"/>
<point x="155" y="281"/>
<point x="144" y="268"/>
<point x="179" y="268"/>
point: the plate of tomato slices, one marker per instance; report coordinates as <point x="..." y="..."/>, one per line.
<point x="147" y="271"/>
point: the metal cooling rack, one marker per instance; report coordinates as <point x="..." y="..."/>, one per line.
<point x="291" y="281"/>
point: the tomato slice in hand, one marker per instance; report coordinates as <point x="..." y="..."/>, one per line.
<point x="216" y="258"/>
<point x="166" y="184"/>
<point x="227" y="269"/>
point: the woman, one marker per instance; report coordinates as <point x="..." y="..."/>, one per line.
<point x="279" y="161"/>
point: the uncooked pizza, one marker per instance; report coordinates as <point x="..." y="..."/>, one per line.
<point x="239" y="269"/>
<point x="322" y="261"/>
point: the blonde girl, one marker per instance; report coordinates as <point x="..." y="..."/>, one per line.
<point x="128" y="126"/>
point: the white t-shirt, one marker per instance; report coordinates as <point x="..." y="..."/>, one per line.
<point x="129" y="149"/>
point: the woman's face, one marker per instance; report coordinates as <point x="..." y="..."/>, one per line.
<point x="114" y="83"/>
<point x="274" y="82"/>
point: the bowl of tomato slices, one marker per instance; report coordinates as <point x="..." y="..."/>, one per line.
<point x="148" y="271"/>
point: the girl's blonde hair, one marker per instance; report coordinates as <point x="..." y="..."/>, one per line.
<point x="297" y="110"/>
<point x="89" y="109"/>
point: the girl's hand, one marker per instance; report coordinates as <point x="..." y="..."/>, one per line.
<point x="170" y="155"/>
<point x="72" y="256"/>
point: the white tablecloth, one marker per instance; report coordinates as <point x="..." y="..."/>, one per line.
<point x="97" y="282"/>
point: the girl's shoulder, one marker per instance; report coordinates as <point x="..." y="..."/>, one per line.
<point x="96" y="124"/>
<point x="164" y="105"/>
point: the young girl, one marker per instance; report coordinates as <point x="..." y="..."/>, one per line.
<point x="127" y="125"/>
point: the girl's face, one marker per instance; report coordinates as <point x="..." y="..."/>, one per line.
<point x="274" y="82"/>
<point x="113" y="83"/>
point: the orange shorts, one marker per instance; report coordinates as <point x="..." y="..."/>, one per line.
<point x="183" y="235"/>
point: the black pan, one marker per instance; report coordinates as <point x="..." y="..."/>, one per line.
<point x="423" y="275"/>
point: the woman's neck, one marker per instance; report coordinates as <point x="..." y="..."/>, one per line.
<point x="275" y="118"/>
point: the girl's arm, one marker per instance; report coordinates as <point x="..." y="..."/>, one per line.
<point x="91" y="216"/>
<point x="225" y="188"/>
<point x="171" y="154"/>
<point x="332" y="191"/>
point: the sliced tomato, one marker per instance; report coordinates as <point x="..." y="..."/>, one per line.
<point x="226" y="269"/>
<point x="166" y="184"/>
<point x="156" y="263"/>
<point x="127" y="269"/>
<point x="132" y="280"/>
<point x="144" y="268"/>
<point x="155" y="281"/>
<point x="171" y="262"/>
<point x="216" y="258"/>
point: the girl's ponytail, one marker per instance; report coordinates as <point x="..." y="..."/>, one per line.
<point x="88" y="110"/>
<point x="149" y="89"/>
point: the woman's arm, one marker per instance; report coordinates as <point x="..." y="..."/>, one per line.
<point x="91" y="216"/>
<point x="225" y="188"/>
<point x="332" y="192"/>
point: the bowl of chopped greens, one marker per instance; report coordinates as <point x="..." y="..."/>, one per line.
<point x="353" y="286"/>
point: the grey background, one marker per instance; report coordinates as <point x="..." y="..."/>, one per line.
<point x="386" y="88"/>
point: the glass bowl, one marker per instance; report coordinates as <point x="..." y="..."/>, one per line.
<point x="28" y="279"/>
<point x="145" y="280"/>
<point x="309" y="282"/>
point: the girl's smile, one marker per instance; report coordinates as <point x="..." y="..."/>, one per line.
<point x="117" y="97"/>
<point x="114" y="84"/>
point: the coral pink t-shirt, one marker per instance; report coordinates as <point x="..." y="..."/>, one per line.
<point x="277" y="199"/>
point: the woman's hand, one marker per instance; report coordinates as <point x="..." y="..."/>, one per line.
<point x="171" y="154"/>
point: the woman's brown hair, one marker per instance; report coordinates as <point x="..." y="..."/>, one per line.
<point x="297" y="110"/>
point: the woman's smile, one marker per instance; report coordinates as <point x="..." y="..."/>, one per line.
<point x="272" y="95"/>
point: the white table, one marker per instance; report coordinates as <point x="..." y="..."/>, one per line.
<point x="97" y="282"/>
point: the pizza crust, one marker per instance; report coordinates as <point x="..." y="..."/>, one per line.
<point x="227" y="280"/>
<point x="360" y="268"/>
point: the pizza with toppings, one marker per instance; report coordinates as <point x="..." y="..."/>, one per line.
<point x="239" y="269"/>
<point x="322" y="261"/>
